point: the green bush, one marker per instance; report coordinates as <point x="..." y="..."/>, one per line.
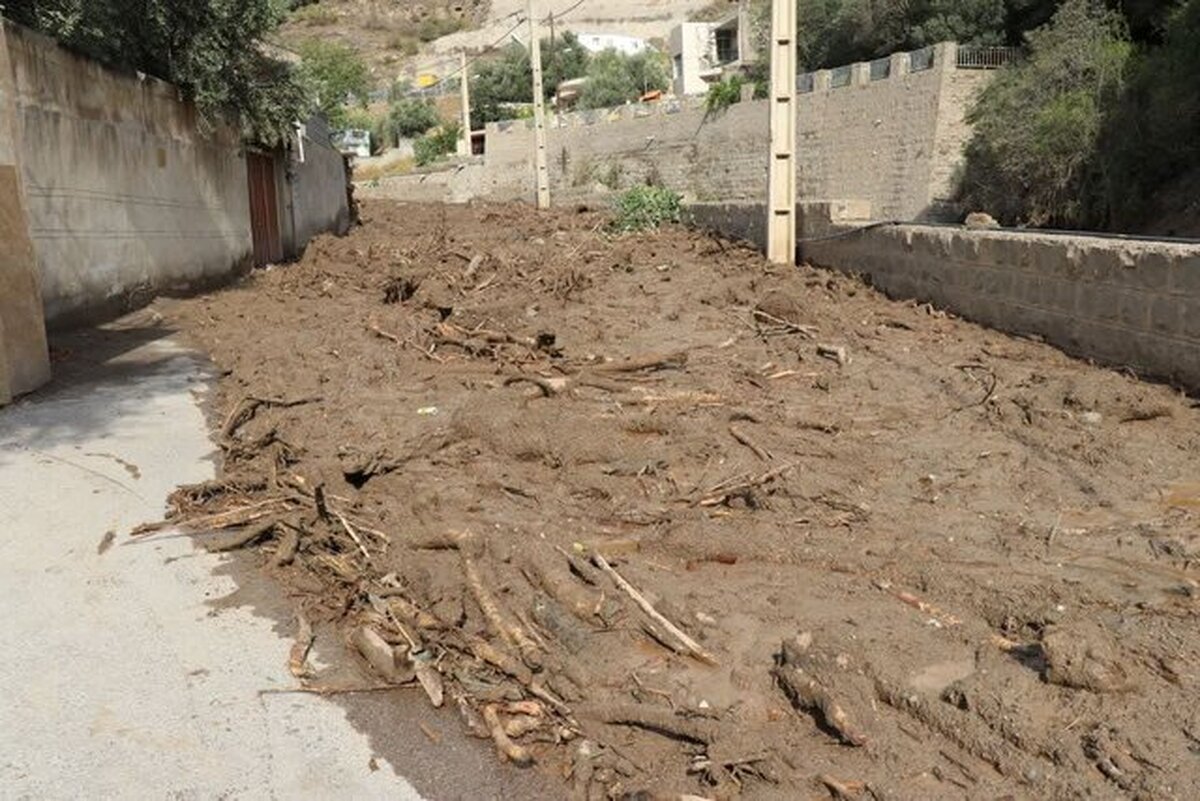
<point x="435" y="144"/>
<point x="1034" y="155"/>
<point x="723" y="94"/>
<point x="614" y="78"/>
<point x="411" y="117"/>
<point x="645" y="207"/>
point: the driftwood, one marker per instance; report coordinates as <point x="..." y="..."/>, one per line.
<point x="246" y="536"/>
<point x="516" y="754"/>
<point x="379" y="654"/>
<point x="808" y="694"/>
<point x="697" y="730"/>
<point x="583" y="603"/>
<point x="744" y="439"/>
<point x="739" y="486"/>
<point x="289" y="546"/>
<point x="691" y="646"/>
<point x="652" y="362"/>
<point x="497" y="617"/>
<point x="244" y="410"/>
<point x="298" y="657"/>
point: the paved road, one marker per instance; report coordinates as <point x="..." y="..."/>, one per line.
<point x="132" y="669"/>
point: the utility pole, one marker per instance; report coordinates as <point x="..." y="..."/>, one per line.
<point x="781" y="175"/>
<point x="465" y="82"/>
<point x="541" y="172"/>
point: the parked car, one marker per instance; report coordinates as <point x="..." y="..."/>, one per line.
<point x="353" y="142"/>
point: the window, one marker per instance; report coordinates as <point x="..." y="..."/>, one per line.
<point x="727" y="45"/>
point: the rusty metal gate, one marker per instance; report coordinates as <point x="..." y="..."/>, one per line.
<point x="264" y="209"/>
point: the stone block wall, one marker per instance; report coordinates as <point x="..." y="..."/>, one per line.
<point x="895" y="142"/>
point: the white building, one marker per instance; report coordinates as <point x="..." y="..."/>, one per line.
<point x="705" y="52"/>
<point x="599" y="42"/>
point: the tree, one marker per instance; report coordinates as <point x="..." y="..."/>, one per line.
<point x="509" y="77"/>
<point x="614" y="78"/>
<point x="410" y="118"/>
<point x="213" y="50"/>
<point x="1033" y="157"/>
<point x="338" y="75"/>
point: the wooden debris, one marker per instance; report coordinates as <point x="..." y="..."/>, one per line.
<point x="697" y="730"/>
<point x="806" y="693"/>
<point x="691" y="646"/>
<point x="744" y="439"/>
<point x="241" y="539"/>
<point x="516" y="754"/>
<point x="298" y="656"/>
<point x="782" y="326"/>
<point x="289" y="546"/>
<point x="379" y="654"/>
<point x="427" y="676"/>
<point x="244" y="410"/>
<point x="842" y="790"/>
<point x="739" y="486"/>
<point x="652" y="362"/>
<point x="937" y="615"/>
<point x="835" y="353"/>
<point x="583" y="603"/>
<point x="497" y="618"/>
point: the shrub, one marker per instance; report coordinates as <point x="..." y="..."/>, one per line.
<point x="411" y="117"/>
<point x="614" y="78"/>
<point x="723" y="94"/>
<point x="339" y="75"/>
<point x="645" y="207"/>
<point x="1034" y="155"/>
<point x="432" y="146"/>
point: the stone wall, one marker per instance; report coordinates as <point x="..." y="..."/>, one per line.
<point x="894" y="140"/>
<point x="1123" y="302"/>
<point x="125" y="196"/>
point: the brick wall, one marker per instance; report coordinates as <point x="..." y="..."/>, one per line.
<point x="1122" y="302"/>
<point x="895" y="142"/>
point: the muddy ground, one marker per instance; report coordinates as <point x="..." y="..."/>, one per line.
<point x="882" y="553"/>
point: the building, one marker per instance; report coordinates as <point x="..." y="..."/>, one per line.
<point x="599" y="42"/>
<point x="703" y="53"/>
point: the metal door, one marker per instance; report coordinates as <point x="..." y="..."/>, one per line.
<point x="264" y="209"/>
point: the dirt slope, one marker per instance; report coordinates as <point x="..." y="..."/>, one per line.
<point x="951" y="564"/>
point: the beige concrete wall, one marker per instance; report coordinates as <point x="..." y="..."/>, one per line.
<point x="126" y="197"/>
<point x="895" y="142"/>
<point x="317" y="194"/>
<point x="1122" y="302"/>
<point x="24" y="360"/>
<point x="458" y="183"/>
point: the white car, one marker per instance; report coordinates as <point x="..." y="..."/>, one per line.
<point x="353" y="142"/>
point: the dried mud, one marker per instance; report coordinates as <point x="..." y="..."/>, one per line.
<point x="934" y="562"/>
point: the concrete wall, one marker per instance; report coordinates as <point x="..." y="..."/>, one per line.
<point x="1121" y="302"/>
<point x="894" y="142"/>
<point x="456" y="184"/>
<point x="24" y="360"/>
<point x="125" y="196"/>
<point x="317" y="187"/>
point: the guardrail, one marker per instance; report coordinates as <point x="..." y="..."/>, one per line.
<point x="972" y="57"/>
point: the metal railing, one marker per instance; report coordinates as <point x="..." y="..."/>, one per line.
<point x="921" y="60"/>
<point x="972" y="57"/>
<point x="841" y="76"/>
<point x="881" y="68"/>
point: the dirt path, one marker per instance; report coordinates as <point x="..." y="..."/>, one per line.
<point x="935" y="561"/>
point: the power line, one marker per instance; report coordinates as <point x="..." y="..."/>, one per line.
<point x="486" y="49"/>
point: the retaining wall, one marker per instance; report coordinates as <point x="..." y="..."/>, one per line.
<point x="895" y="141"/>
<point x="125" y="196"/>
<point x="1121" y="302"/>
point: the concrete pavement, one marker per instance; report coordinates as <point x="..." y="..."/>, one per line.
<point x="124" y="675"/>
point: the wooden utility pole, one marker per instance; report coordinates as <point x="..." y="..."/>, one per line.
<point x="541" y="172"/>
<point x="781" y="176"/>
<point x="465" y="83"/>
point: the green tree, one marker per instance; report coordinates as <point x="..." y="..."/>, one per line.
<point x="1033" y="157"/>
<point x="410" y="118"/>
<point x="338" y="75"/>
<point x="213" y="50"/>
<point x="614" y="78"/>
<point x="509" y="77"/>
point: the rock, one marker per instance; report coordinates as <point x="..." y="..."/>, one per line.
<point x="1084" y="656"/>
<point x="979" y="219"/>
<point x="1091" y="418"/>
